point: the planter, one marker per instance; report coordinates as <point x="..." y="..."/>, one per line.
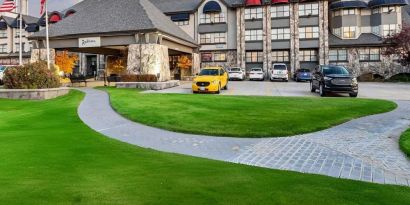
<point x="34" y="94"/>
<point x="149" y="85"/>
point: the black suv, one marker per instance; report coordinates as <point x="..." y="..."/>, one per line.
<point x="332" y="78"/>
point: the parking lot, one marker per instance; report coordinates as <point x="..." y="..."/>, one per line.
<point x="392" y="91"/>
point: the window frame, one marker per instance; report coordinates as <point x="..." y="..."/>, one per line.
<point x="253" y="13"/>
<point x="314" y="32"/>
<point x="304" y="9"/>
<point x="253" y="35"/>
<point x="212" y="18"/>
<point x="365" y="54"/>
<point x="212" y="38"/>
<point x="284" y="13"/>
<point x="280" y="32"/>
<point x="280" y="56"/>
<point x="341" y="55"/>
<point x="250" y="56"/>
<point x="312" y="57"/>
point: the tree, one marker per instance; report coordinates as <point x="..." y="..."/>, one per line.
<point x="116" y="65"/>
<point x="399" y="45"/>
<point x="184" y="64"/>
<point x="66" y="61"/>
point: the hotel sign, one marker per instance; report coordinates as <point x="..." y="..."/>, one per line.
<point x="89" y="42"/>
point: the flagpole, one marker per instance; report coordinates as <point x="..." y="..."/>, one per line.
<point x="47" y="37"/>
<point x="20" y="35"/>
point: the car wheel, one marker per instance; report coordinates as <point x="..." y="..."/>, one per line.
<point x="322" y="92"/>
<point x="353" y="94"/>
<point x="226" y="87"/>
<point x="312" y="89"/>
<point x="219" y="89"/>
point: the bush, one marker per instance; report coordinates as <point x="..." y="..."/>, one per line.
<point x="31" y="76"/>
<point x="139" y="78"/>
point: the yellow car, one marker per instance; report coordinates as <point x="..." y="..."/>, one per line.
<point x="210" y="80"/>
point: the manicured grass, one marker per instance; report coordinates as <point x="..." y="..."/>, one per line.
<point x="48" y="156"/>
<point x="405" y="142"/>
<point x="241" y="116"/>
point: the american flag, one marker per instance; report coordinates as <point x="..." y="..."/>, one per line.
<point x="8" y="6"/>
<point x="42" y="5"/>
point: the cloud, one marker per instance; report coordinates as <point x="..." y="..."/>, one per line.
<point x="53" y="5"/>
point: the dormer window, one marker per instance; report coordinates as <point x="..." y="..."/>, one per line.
<point x="212" y="7"/>
<point x="212" y="13"/>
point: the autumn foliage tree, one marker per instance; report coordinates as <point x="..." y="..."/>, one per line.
<point x="184" y="64"/>
<point x="66" y="61"/>
<point x="399" y="45"/>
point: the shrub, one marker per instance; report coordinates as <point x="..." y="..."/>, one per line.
<point x="139" y="78"/>
<point x="31" y="76"/>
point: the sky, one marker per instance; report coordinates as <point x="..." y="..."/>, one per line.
<point x="53" y="5"/>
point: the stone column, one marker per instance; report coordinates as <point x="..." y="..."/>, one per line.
<point x="294" y="37"/>
<point x="240" y="36"/>
<point x="323" y="33"/>
<point x="41" y="55"/>
<point x="149" y="59"/>
<point x="267" y="38"/>
<point x="196" y="63"/>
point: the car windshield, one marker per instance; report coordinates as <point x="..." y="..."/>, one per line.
<point x="235" y="69"/>
<point x="279" y="67"/>
<point x="335" y="70"/>
<point x="209" y="72"/>
<point x="304" y="71"/>
<point x="256" y="69"/>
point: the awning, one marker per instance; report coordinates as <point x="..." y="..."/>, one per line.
<point x="16" y="24"/>
<point x="348" y="4"/>
<point x="42" y="22"/>
<point x="280" y="1"/>
<point x="377" y="3"/>
<point x="3" y="25"/>
<point x="32" y="28"/>
<point x="211" y="7"/>
<point x="180" y="17"/>
<point x="54" y="18"/>
<point x="69" y="13"/>
<point x="253" y="3"/>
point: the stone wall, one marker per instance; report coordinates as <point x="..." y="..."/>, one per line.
<point x="33" y="94"/>
<point x="196" y="63"/>
<point x="323" y="32"/>
<point x="149" y="59"/>
<point x="386" y="67"/>
<point x="41" y="54"/>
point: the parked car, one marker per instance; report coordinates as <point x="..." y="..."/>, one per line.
<point x="256" y="74"/>
<point x="302" y="75"/>
<point x="279" y="71"/>
<point x="237" y="73"/>
<point x="332" y="78"/>
<point x="2" y="70"/>
<point x="210" y="80"/>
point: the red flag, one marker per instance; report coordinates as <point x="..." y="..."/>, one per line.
<point x="42" y="5"/>
<point x="8" y="6"/>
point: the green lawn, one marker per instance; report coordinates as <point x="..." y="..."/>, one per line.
<point x="240" y="116"/>
<point x="405" y="142"/>
<point x="48" y="156"/>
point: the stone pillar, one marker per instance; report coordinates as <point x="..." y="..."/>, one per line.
<point x="294" y="37"/>
<point x="267" y="38"/>
<point x="149" y="59"/>
<point x="240" y="37"/>
<point x="196" y="63"/>
<point x="41" y="54"/>
<point x="323" y="33"/>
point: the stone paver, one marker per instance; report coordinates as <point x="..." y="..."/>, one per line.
<point x="365" y="149"/>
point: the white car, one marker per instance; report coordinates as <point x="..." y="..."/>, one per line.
<point x="2" y="69"/>
<point x="236" y="73"/>
<point x="256" y="74"/>
<point x="279" y="71"/>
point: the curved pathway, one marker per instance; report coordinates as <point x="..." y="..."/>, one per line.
<point x="365" y="149"/>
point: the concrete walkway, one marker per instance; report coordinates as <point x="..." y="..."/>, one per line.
<point x="365" y="149"/>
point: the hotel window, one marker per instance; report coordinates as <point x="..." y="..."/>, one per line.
<point x="3" y="33"/>
<point x="182" y="23"/>
<point x="212" y="18"/>
<point x="308" y="55"/>
<point x="209" y="38"/>
<point x="280" y="56"/>
<point x="308" y="9"/>
<point x="206" y="57"/>
<point x="254" y="56"/>
<point x="338" y="55"/>
<point x="349" y="12"/>
<point x="369" y="54"/>
<point x="219" y="56"/>
<point x="389" y="29"/>
<point x="253" y="35"/>
<point x="279" y="11"/>
<point x="3" y="48"/>
<point x="280" y="33"/>
<point x="309" y="32"/>
<point x="388" y="9"/>
<point x="337" y="13"/>
<point x="337" y="32"/>
<point x="253" y="13"/>
<point x="349" y="32"/>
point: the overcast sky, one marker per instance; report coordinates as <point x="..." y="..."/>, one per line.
<point x="53" y="5"/>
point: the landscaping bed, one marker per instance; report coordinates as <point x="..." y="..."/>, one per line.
<point x="48" y="156"/>
<point x="241" y="116"/>
<point x="405" y="142"/>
